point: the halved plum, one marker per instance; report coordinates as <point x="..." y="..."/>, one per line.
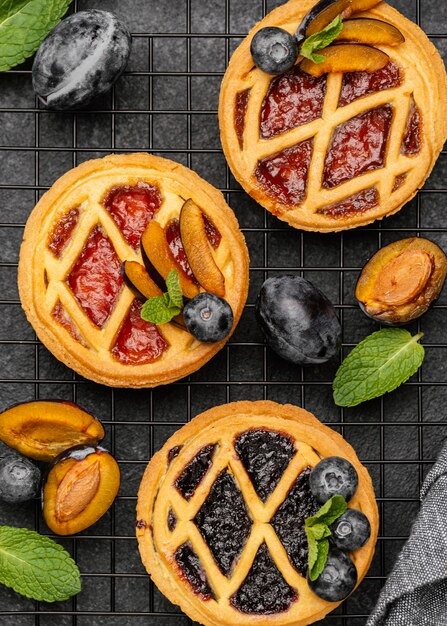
<point x="370" y="31"/>
<point x="347" y="58"/>
<point x="159" y="260"/>
<point x="321" y="15"/>
<point x="198" y="249"/>
<point x="138" y="280"/>
<point x="43" y="429"/>
<point x="79" y="489"/>
<point x="402" y="280"/>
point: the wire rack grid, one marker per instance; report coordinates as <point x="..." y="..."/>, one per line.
<point x="166" y="103"/>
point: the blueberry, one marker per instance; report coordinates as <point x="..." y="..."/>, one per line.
<point x="19" y="478"/>
<point x="274" y="50"/>
<point x="333" y="476"/>
<point x="208" y="317"/>
<point x="351" y="530"/>
<point x="81" y="58"/>
<point x="338" y="578"/>
<point x="298" y="321"/>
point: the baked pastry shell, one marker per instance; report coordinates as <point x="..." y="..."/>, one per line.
<point x="424" y="75"/>
<point x="103" y="368"/>
<point x="227" y="420"/>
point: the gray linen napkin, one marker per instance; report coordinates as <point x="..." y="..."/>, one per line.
<point x="415" y="593"/>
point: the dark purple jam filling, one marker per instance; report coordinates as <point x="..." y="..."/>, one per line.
<point x="173" y="452"/>
<point x="264" y="591"/>
<point x="193" y="571"/>
<point x="265" y="455"/>
<point x="172" y="520"/>
<point x="193" y="473"/>
<point x="288" y="521"/>
<point x="224" y="522"/>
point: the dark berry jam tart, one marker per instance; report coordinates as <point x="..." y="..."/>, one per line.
<point x="101" y="241"/>
<point x="336" y="150"/>
<point x="221" y="513"/>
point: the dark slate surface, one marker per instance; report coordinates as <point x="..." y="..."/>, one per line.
<point x="411" y="431"/>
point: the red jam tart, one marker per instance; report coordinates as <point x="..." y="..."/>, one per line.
<point x="221" y="514"/>
<point x="310" y="148"/>
<point x="71" y="277"/>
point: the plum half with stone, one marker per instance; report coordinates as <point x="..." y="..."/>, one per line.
<point x="333" y="476"/>
<point x="19" y="478"/>
<point x="208" y="317"/>
<point x="274" y="50"/>
<point x="298" y="321"/>
<point x="338" y="578"/>
<point x="80" y="59"/>
<point x="402" y="281"/>
<point x="80" y="487"/>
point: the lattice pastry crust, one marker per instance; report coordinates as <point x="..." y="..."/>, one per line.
<point x="424" y="83"/>
<point x="158" y="497"/>
<point x="43" y="277"/>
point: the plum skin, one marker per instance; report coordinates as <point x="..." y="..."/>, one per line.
<point x="298" y="321"/>
<point x="80" y="59"/>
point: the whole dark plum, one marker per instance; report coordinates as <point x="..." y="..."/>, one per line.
<point x="80" y="59"/>
<point x="19" y="478"/>
<point x="298" y="321"/>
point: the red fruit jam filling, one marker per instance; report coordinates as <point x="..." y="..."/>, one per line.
<point x="293" y="98"/>
<point x="289" y="519"/>
<point x="192" y="570"/>
<point x="357" y="146"/>
<point x="62" y="232"/>
<point x="357" y="203"/>
<point x="265" y="455"/>
<point x="192" y="474"/>
<point x="283" y="176"/>
<point x="399" y="181"/>
<point x="358" y="84"/>
<point x="264" y="591"/>
<point x="173" y="453"/>
<point x="239" y="117"/>
<point x="138" y="341"/>
<point x="411" y="142"/>
<point x="212" y="233"/>
<point x="63" y="318"/>
<point x="132" y="208"/>
<point x="224" y="522"/>
<point x="95" y="278"/>
<point x="174" y="240"/>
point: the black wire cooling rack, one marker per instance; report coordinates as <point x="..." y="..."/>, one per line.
<point x="166" y="102"/>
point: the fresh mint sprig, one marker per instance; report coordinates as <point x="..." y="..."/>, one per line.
<point x="318" y="531"/>
<point x="378" y="364"/>
<point x="161" y="309"/>
<point x="321" y="40"/>
<point x="36" y="567"/>
<point x="24" y="24"/>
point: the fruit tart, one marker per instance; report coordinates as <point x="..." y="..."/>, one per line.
<point x="341" y="142"/>
<point x="223" y="510"/>
<point x="102" y="241"/>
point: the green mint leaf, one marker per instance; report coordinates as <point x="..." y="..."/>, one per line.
<point x="378" y="364"/>
<point x="319" y="531"/>
<point x="174" y="289"/>
<point x="312" y="548"/>
<point x="24" y="24"/>
<point x="158" y="310"/>
<point x="320" y="561"/>
<point x="321" y="40"/>
<point x="36" y="567"/>
<point x="328" y="513"/>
